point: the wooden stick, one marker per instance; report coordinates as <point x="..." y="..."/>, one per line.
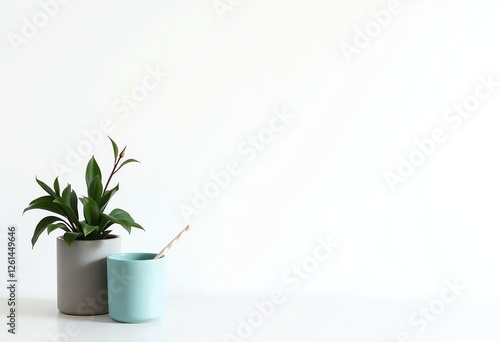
<point x="171" y="243"/>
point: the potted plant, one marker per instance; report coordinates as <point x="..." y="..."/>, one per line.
<point x="87" y="238"/>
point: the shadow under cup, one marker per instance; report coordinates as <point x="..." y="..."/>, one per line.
<point x="136" y="287"/>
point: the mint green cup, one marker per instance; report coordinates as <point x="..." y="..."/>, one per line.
<point x="136" y="287"/>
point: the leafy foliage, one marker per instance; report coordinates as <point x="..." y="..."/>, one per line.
<point x="95" y="224"/>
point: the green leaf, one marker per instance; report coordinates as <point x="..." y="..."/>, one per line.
<point x="92" y="171"/>
<point x="42" y="199"/>
<point x="41" y="226"/>
<point x="108" y="224"/>
<point x="115" y="149"/>
<point x="47" y="188"/>
<point x="137" y="225"/>
<point x="124" y="224"/>
<point x="57" y="187"/>
<point x="69" y="238"/>
<point x="104" y="223"/>
<point x="107" y="197"/>
<point x="120" y="217"/>
<point x="69" y="213"/>
<point x="87" y="229"/>
<point x="54" y="226"/>
<point x="48" y="206"/>
<point x="74" y="203"/>
<point x="105" y="234"/>
<point x="66" y="195"/>
<point x="65" y="203"/>
<point x="91" y="211"/>
<point x="127" y="162"/>
<point x="95" y="189"/>
<point x="121" y="214"/>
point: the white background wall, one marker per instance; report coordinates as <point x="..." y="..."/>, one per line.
<point x="322" y="176"/>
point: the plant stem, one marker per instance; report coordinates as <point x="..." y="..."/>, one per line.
<point x="71" y="225"/>
<point x="110" y="176"/>
<point x="113" y="171"/>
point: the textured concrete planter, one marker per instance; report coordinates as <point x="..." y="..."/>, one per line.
<point x="81" y="275"/>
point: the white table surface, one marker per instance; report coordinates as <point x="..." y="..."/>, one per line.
<point x="300" y="318"/>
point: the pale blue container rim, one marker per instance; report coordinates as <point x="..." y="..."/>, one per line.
<point x="135" y="257"/>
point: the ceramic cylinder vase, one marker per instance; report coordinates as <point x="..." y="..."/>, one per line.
<point x="82" y="275"/>
<point x="137" y="286"/>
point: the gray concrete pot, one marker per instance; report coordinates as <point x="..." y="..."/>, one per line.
<point x="82" y="287"/>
